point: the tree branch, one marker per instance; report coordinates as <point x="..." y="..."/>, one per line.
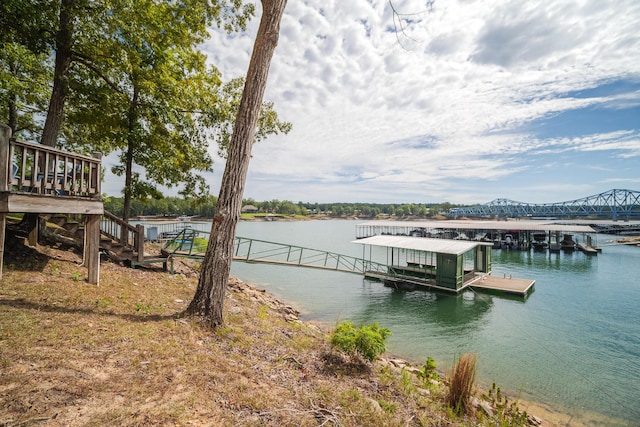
<point x="86" y="61"/>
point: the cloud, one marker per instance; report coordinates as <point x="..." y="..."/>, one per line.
<point x="470" y="102"/>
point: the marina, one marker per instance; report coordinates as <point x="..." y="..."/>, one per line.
<point x="510" y="235"/>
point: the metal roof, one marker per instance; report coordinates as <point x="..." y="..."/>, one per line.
<point x="522" y="225"/>
<point x="442" y="246"/>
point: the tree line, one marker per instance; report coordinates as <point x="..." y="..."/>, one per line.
<point x="206" y="208"/>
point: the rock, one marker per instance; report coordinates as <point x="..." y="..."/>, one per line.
<point x="477" y="403"/>
<point x="413" y="370"/>
<point x="533" y="420"/>
<point x="399" y="363"/>
<point x="375" y="405"/>
<point x="423" y="391"/>
<point x="235" y="310"/>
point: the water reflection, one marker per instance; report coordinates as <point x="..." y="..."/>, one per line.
<point x="573" y="261"/>
<point x="422" y="308"/>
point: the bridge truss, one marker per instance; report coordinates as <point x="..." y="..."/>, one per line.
<point x="613" y="204"/>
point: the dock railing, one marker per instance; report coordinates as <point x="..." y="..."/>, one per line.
<point x="193" y="244"/>
<point x="32" y="168"/>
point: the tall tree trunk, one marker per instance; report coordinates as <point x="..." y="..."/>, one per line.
<point x="63" y="62"/>
<point x="13" y="113"/>
<point x="128" y="161"/>
<point x="209" y="297"/>
<point x="128" y="181"/>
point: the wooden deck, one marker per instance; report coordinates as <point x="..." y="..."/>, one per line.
<point x="509" y="285"/>
<point x="485" y="282"/>
<point x="38" y="179"/>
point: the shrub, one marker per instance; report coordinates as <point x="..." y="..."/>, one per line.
<point x="428" y="371"/>
<point x="506" y="413"/>
<point x="367" y="341"/>
<point x="462" y="377"/>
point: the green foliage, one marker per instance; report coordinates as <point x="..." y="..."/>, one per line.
<point x="367" y="341"/>
<point x="205" y="207"/>
<point x="144" y="308"/>
<point x="24" y="88"/>
<point x="172" y="206"/>
<point x="132" y="82"/>
<point x="220" y="117"/>
<point x="389" y="407"/>
<point x="507" y="413"/>
<point x="407" y="383"/>
<point x="428" y="371"/>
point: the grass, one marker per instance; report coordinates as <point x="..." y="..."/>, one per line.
<point x="461" y="381"/>
<point x="122" y="353"/>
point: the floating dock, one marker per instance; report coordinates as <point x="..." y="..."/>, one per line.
<point x="487" y="283"/>
<point x="440" y="264"/>
<point x="509" y="285"/>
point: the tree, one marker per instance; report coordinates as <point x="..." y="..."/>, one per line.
<point x="220" y="117"/>
<point x="155" y="94"/>
<point x="208" y="300"/>
<point x="23" y="87"/>
<point x="63" y="58"/>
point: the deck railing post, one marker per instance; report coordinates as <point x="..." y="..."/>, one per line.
<point x="5" y="160"/>
<point x="92" y="248"/>
<point x="140" y="242"/>
<point x="95" y="176"/>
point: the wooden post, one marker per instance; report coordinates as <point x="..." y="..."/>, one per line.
<point x="92" y="249"/>
<point x="33" y="225"/>
<point x="96" y="176"/>
<point x="139" y="243"/>
<point x="3" y="224"/>
<point x="5" y="161"/>
<point x="5" y="167"/>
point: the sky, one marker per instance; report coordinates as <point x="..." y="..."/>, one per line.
<point x="461" y="101"/>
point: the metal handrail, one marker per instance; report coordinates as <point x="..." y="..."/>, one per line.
<point x="187" y="244"/>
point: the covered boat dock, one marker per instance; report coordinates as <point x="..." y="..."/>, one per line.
<point x="515" y="234"/>
<point x="440" y="264"/>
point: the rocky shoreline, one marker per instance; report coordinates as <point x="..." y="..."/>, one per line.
<point x="539" y="414"/>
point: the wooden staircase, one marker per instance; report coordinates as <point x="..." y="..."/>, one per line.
<point x="120" y="241"/>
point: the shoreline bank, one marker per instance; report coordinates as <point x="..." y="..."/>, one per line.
<point x="554" y="415"/>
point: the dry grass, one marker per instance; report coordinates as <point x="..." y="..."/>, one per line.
<point x="73" y="354"/>
<point x="461" y="381"/>
<point x="122" y="354"/>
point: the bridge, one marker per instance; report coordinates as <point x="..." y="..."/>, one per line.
<point x="614" y="204"/>
<point x="190" y="243"/>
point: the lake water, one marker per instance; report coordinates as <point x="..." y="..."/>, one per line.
<point x="573" y="344"/>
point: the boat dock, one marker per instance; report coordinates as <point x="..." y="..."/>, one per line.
<point x="485" y="283"/>
<point x="439" y="264"/>
<point x="510" y="235"/>
<point x="407" y="263"/>
<point x="509" y="285"/>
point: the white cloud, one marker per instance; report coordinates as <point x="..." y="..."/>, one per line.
<point x="431" y="113"/>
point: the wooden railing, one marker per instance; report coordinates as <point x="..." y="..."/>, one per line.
<point x="26" y="167"/>
<point x="126" y="234"/>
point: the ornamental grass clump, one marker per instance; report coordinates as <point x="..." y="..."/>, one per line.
<point x="368" y="341"/>
<point x="461" y="380"/>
